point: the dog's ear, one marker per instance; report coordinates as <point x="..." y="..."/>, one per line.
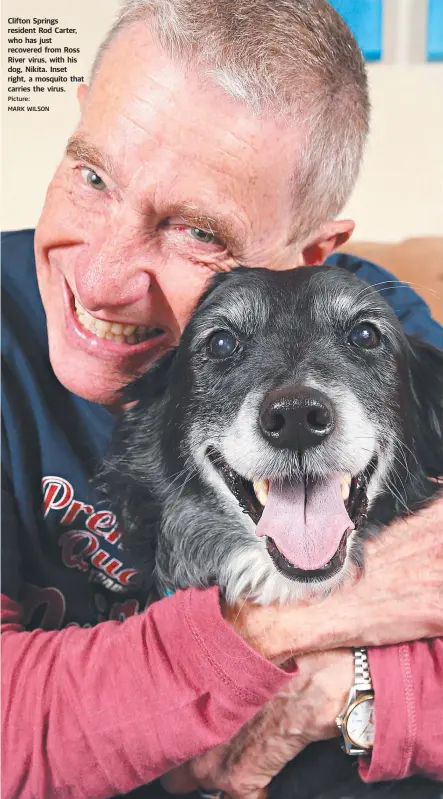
<point x="123" y="478"/>
<point x="154" y="382"/>
<point x="426" y="372"/>
<point x="220" y="277"/>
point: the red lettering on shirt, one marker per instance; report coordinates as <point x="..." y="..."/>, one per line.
<point x="80" y="548"/>
<point x="57" y="494"/>
<point x="74" y="509"/>
<point x="126" y="576"/>
<point x="74" y="556"/>
<point x="104" y="523"/>
<point x="122" y="610"/>
<point x="48" y="603"/>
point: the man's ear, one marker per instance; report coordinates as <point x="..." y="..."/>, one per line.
<point x="82" y="91"/>
<point x="325" y="240"/>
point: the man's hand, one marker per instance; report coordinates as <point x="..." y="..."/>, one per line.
<point x="398" y="598"/>
<point x="303" y="713"/>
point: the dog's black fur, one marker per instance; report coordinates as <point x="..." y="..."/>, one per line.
<point x="178" y="515"/>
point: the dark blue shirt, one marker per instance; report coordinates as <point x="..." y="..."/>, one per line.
<point x="61" y="552"/>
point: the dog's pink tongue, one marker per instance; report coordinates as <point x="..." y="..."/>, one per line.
<point x="306" y="522"/>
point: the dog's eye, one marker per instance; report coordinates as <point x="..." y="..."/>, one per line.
<point x="222" y="344"/>
<point x="365" y="336"/>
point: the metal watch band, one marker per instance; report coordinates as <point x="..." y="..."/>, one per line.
<point x="363" y="680"/>
<point x="361" y="691"/>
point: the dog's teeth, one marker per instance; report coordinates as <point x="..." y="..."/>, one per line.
<point x="261" y="488"/>
<point x="345" y="486"/>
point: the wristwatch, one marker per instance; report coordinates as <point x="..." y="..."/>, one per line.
<point x="356" y="722"/>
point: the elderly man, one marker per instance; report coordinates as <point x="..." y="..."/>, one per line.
<point x="211" y="135"/>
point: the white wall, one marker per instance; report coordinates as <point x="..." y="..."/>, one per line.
<point x="399" y="193"/>
<point x="400" y="190"/>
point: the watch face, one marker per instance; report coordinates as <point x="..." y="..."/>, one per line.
<point x="360" y="723"/>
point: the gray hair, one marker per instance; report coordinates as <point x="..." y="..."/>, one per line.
<point x="293" y="58"/>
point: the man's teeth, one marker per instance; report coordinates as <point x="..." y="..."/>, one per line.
<point x="345" y="486"/>
<point x="113" y="331"/>
<point x="261" y="488"/>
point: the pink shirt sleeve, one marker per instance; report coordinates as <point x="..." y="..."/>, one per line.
<point x="100" y="711"/>
<point x="408" y="686"/>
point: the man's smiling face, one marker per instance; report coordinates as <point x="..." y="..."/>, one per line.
<point x="165" y="181"/>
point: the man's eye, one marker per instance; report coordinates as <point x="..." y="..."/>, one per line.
<point x="203" y="236"/>
<point x="93" y="180"/>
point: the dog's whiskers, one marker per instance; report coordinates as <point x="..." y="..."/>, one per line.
<point x="393" y="284"/>
<point x="183" y="471"/>
<point x="403" y="487"/>
<point x="242" y="605"/>
<point x="402" y="446"/>
<point x="394" y="493"/>
<point x="396" y="474"/>
<point x="188" y="472"/>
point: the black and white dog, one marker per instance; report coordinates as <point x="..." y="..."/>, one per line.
<point x="294" y="419"/>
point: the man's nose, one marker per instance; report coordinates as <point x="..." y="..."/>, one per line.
<point x="296" y="418"/>
<point x="115" y="274"/>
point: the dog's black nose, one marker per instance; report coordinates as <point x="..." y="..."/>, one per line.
<point x="296" y="418"/>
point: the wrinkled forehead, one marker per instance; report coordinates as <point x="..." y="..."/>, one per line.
<point x="259" y="300"/>
<point x="167" y="125"/>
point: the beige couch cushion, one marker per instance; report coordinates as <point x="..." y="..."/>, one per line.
<point x="415" y="261"/>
